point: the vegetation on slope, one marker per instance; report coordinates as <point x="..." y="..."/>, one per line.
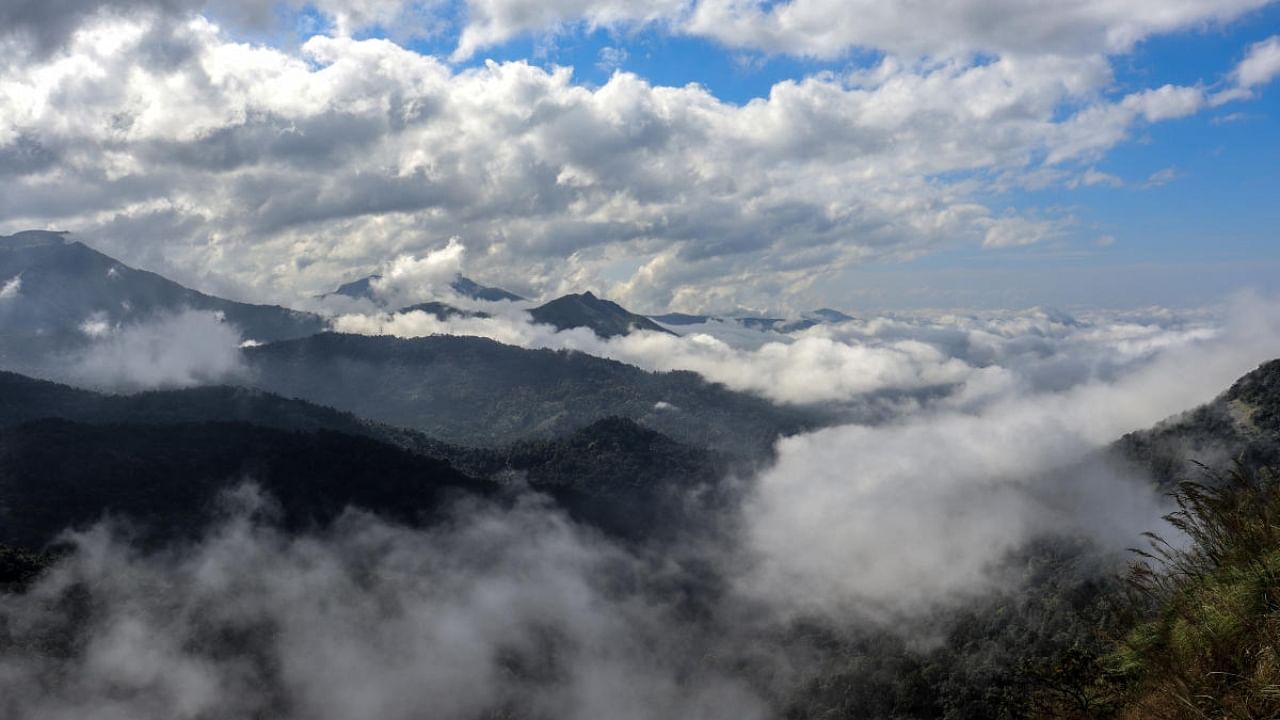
<point x="615" y="475"/>
<point x="1205" y="638"/>
<point x="603" y="317"/>
<point x="167" y="479"/>
<point x="477" y="392"/>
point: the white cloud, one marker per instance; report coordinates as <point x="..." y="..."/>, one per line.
<point x="1013" y="231"/>
<point x="189" y="348"/>
<point x="408" y="279"/>
<point x="1093" y="177"/>
<point x="11" y="287"/>
<point x="288" y="171"/>
<point x="876" y="363"/>
<point x="1166" y="102"/>
<point x="611" y="58"/>
<point x="492" y="611"/>
<point x="1260" y="65"/>
<point x="490" y="22"/>
<point x="830" y="28"/>
<point x="96" y="326"/>
<point x="1163" y="176"/>
<point x="908" y="515"/>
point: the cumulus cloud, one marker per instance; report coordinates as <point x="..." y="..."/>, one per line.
<point x="1260" y="65"/>
<point x="286" y="170"/>
<point x="181" y="350"/>
<point x="409" y="279"/>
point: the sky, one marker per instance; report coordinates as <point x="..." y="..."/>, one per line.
<point x="674" y="155"/>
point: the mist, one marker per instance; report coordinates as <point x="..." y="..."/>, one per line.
<point x="895" y="361"/>
<point x="176" y="350"/>
<point x="496" y="612"/>
<point x="905" y="517"/>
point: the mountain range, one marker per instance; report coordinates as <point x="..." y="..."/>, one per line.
<point x="462" y="390"/>
<point x="806" y="320"/>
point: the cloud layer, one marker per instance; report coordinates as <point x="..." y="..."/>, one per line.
<point x="875" y="520"/>
<point x="891" y="363"/>
<point x="827" y="28"/>
<point x="499" y="612"/>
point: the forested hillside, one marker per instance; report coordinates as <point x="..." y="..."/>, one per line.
<point x="474" y="391"/>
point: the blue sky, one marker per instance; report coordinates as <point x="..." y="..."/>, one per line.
<point x="847" y="154"/>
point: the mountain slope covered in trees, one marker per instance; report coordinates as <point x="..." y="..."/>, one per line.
<point x="603" y="317"/>
<point x="474" y="391"/>
<point x="614" y="474"/>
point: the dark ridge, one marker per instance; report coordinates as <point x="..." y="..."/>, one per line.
<point x="467" y="287"/>
<point x="680" y="319"/>
<point x="1242" y="424"/>
<point x="603" y="317"/>
<point x="444" y="311"/>
<point x="464" y="286"/>
<point x="615" y="475"/>
<point x="167" y="479"/>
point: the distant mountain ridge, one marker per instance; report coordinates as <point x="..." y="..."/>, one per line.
<point x="806" y="320"/>
<point x="62" y="284"/>
<point x="476" y="391"/>
<point x="362" y="289"/>
<point x="603" y="317"/>
<point x="615" y="475"/>
<point x="166" y="479"/>
<point x="1242" y="424"/>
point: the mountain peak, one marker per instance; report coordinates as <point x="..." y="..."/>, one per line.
<point x="64" y="282"/>
<point x="467" y="287"/>
<point x="35" y="238"/>
<point x="603" y="317"/>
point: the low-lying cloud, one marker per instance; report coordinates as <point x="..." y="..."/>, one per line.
<point x="921" y="511"/>
<point x="967" y="357"/>
<point x="172" y="351"/>
<point x="497" y="614"/>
